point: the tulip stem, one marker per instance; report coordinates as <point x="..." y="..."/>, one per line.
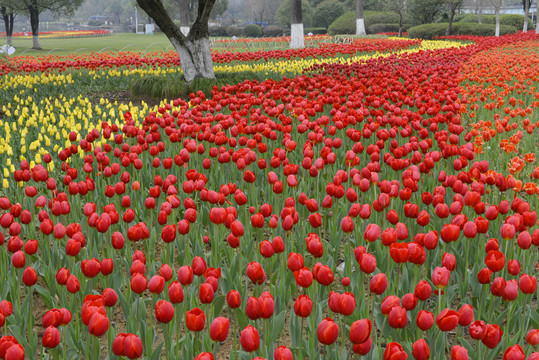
<point x="301" y="338"/>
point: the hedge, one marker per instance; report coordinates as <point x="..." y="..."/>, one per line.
<point x="315" y="31"/>
<point x="272" y="31"/>
<point x="234" y="31"/>
<point x="430" y="31"/>
<point x="384" y="28"/>
<point x="505" y="19"/>
<point x="217" y="30"/>
<point x="346" y="23"/>
<point x="252" y="30"/>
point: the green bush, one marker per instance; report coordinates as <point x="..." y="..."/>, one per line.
<point x="272" y="31"/>
<point x="346" y="23"/>
<point x="217" y="30"/>
<point x="384" y="28"/>
<point x="430" y="31"/>
<point x="96" y="23"/>
<point x="326" y="12"/>
<point x="315" y="31"/>
<point x="252" y="30"/>
<point x="234" y="31"/>
<point x="505" y="19"/>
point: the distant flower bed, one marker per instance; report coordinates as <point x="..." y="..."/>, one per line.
<point x="61" y="34"/>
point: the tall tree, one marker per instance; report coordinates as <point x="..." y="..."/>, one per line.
<point x="497" y="6"/>
<point x="537" y="17"/>
<point x="526" y="4"/>
<point x="360" y="19"/>
<point x="398" y="7"/>
<point x="480" y="11"/>
<point x="193" y="49"/>
<point x="8" y="15"/>
<point x="296" y="25"/>
<point x="35" y="7"/>
<point x="453" y="5"/>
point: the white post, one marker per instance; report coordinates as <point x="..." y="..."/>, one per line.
<point x="136" y="21"/>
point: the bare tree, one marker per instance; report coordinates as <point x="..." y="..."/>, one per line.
<point x="398" y="7"/>
<point x="296" y="25"/>
<point x="193" y="49"/>
<point x="360" y="19"/>
<point x="453" y="6"/>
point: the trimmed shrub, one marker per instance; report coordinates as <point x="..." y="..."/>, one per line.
<point x="384" y="28"/>
<point x="505" y="19"/>
<point x="96" y="23"/>
<point x="326" y="12"/>
<point x="315" y="31"/>
<point x="234" y="31"/>
<point x="252" y="30"/>
<point x="346" y="23"/>
<point x="430" y="31"/>
<point x="217" y="31"/>
<point x="272" y="31"/>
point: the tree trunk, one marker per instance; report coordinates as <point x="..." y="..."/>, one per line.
<point x="452" y="9"/>
<point x="193" y="49"/>
<point x="296" y="25"/>
<point x="8" y="23"/>
<point x="195" y="59"/>
<point x="360" y="19"/>
<point x="480" y="12"/>
<point x="526" y="13"/>
<point x="537" y="18"/>
<point x="184" y="17"/>
<point x="400" y="25"/>
<point x="34" y="24"/>
<point x="497" y="21"/>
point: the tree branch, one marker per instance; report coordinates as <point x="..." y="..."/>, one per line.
<point x="156" y="10"/>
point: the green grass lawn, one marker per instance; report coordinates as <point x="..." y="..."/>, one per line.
<point x="132" y="42"/>
<point x="113" y="43"/>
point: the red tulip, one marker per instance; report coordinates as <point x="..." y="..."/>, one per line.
<point x="219" y="329"/>
<point x="195" y="319"/>
<point x="29" y="276"/>
<point x="532" y="337"/>
<point x="51" y="337"/>
<point x="233" y="299"/>
<point x="397" y="317"/>
<point x="492" y="336"/>
<point x="394" y="351"/>
<point x="423" y="290"/>
<point x="164" y="311"/>
<point x="282" y="353"/>
<point x="466" y="316"/>
<point x="98" y="325"/>
<point x="459" y="353"/>
<point x="327" y="331"/>
<point x="132" y="346"/>
<point x="185" y="275"/>
<point x="250" y="339"/>
<point x="447" y="319"/>
<point x="303" y="306"/>
<point x="440" y="277"/>
<point x="255" y="273"/>
<point x="477" y="329"/>
<point x="420" y="350"/>
<point x="378" y="283"/>
<point x="360" y="331"/>
<point x="138" y="283"/>
<point x="424" y="320"/>
<point x="514" y="352"/>
<point x="204" y="356"/>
